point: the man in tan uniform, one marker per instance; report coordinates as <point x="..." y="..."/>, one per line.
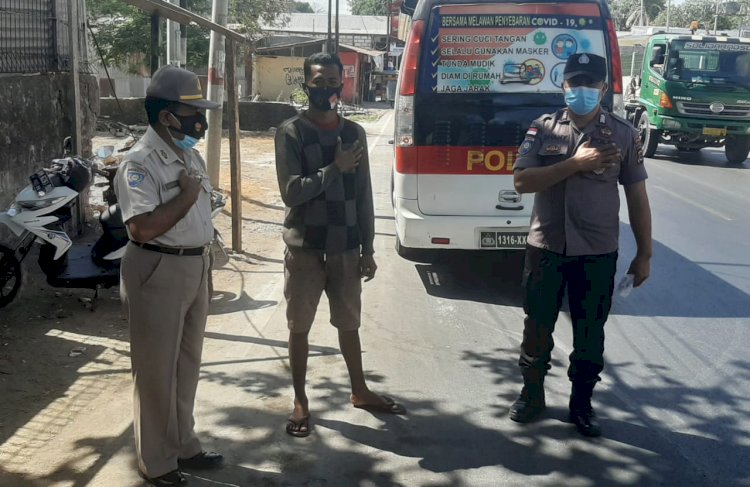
<point x="164" y="194"/>
<point x="573" y="160"/>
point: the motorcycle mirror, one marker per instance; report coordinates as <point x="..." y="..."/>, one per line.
<point x="105" y="151"/>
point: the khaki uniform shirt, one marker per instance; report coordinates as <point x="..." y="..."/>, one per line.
<point x="580" y="215"/>
<point x="148" y="178"/>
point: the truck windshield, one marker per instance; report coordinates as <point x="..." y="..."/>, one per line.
<point x="709" y="62"/>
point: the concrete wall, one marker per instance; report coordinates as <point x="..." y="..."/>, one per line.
<point x="276" y="77"/>
<point x="255" y="116"/>
<point x="34" y="121"/>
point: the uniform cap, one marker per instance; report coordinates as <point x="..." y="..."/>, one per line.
<point x="591" y="65"/>
<point x="176" y="84"/>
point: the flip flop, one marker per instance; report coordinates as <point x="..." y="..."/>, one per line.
<point x="390" y="407"/>
<point x="293" y="427"/>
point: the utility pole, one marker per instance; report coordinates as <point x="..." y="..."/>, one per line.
<point x="329" y="44"/>
<point x="183" y="38"/>
<point x="642" y="14"/>
<point x="216" y="70"/>
<point x="75" y="101"/>
<point x="336" y="50"/>
<point x="669" y="7"/>
<point x="173" y="40"/>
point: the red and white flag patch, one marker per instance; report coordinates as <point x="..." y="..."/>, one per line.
<point x="532" y="132"/>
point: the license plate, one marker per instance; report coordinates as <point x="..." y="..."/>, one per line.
<point x="716" y="132"/>
<point x="489" y="239"/>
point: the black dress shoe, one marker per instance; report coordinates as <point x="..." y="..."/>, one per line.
<point x="172" y="478"/>
<point x="585" y="420"/>
<point x="205" y="460"/>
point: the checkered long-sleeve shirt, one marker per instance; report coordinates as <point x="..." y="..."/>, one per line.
<point x="327" y="210"/>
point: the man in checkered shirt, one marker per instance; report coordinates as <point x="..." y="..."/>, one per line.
<point x="329" y="228"/>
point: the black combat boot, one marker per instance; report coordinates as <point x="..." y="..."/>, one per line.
<point x="581" y="412"/>
<point x="531" y="401"/>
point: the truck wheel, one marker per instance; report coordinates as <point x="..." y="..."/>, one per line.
<point x="10" y="276"/>
<point x="737" y="148"/>
<point x="649" y="137"/>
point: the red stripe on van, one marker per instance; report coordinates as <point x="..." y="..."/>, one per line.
<point x="480" y="161"/>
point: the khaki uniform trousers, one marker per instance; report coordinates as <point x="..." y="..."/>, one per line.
<point x="166" y="297"/>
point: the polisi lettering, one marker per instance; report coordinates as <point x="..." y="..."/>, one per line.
<point x="493" y="160"/>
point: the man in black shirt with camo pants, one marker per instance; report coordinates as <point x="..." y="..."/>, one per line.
<point x="329" y="228"/>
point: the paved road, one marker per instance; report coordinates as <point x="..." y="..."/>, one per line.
<point x="443" y="338"/>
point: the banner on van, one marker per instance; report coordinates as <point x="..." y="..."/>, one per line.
<point x="502" y="48"/>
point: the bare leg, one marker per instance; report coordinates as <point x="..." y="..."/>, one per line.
<point x="351" y="349"/>
<point x="298" y="352"/>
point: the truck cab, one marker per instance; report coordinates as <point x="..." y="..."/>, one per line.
<point x="693" y="92"/>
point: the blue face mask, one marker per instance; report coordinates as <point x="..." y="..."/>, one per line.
<point x="582" y="100"/>
<point x="186" y="144"/>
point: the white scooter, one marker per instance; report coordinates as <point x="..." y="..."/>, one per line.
<point x="39" y="212"/>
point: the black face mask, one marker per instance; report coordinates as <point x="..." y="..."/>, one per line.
<point x="320" y="98"/>
<point x="192" y="125"/>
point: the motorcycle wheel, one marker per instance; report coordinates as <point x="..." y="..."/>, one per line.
<point x="10" y="276"/>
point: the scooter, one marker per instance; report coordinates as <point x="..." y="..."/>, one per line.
<point x="39" y="213"/>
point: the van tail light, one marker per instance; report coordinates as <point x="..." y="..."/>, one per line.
<point x="406" y="152"/>
<point x="664" y="101"/>
<point x="614" y="48"/>
<point x="410" y="64"/>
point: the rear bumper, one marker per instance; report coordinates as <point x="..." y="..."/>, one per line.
<point x="416" y="230"/>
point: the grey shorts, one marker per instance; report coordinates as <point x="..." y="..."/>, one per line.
<point x="307" y="273"/>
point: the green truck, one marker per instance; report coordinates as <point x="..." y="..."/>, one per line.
<point x="693" y="92"/>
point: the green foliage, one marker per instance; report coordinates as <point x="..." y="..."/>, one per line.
<point x="124" y="32"/>
<point x="302" y="7"/>
<point x="701" y="10"/>
<point x="369" y="7"/>
<point x="623" y="9"/>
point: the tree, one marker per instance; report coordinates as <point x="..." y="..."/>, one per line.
<point x="302" y="7"/>
<point x="701" y="10"/>
<point x="624" y="10"/>
<point x="369" y="7"/>
<point x="124" y="32"/>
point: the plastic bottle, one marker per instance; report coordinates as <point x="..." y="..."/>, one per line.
<point x="625" y="286"/>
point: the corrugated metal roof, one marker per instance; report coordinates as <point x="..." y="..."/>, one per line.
<point x="318" y="24"/>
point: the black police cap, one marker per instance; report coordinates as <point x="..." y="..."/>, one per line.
<point x="584" y="64"/>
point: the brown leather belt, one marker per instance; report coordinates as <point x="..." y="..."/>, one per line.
<point x="173" y="251"/>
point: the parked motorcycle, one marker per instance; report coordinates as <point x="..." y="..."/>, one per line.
<point x="39" y="212"/>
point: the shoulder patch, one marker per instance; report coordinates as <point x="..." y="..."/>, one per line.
<point x="525" y="147"/>
<point x="135" y="177"/>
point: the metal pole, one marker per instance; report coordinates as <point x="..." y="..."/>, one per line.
<point x="336" y="50"/>
<point x="183" y="37"/>
<point x="155" y="21"/>
<point x="216" y="70"/>
<point x="632" y="61"/>
<point x="329" y="46"/>
<point x="669" y="8"/>
<point x="235" y="163"/>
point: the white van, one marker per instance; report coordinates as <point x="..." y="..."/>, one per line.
<point x="475" y="74"/>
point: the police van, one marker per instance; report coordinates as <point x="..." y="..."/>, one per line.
<point x="474" y="75"/>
